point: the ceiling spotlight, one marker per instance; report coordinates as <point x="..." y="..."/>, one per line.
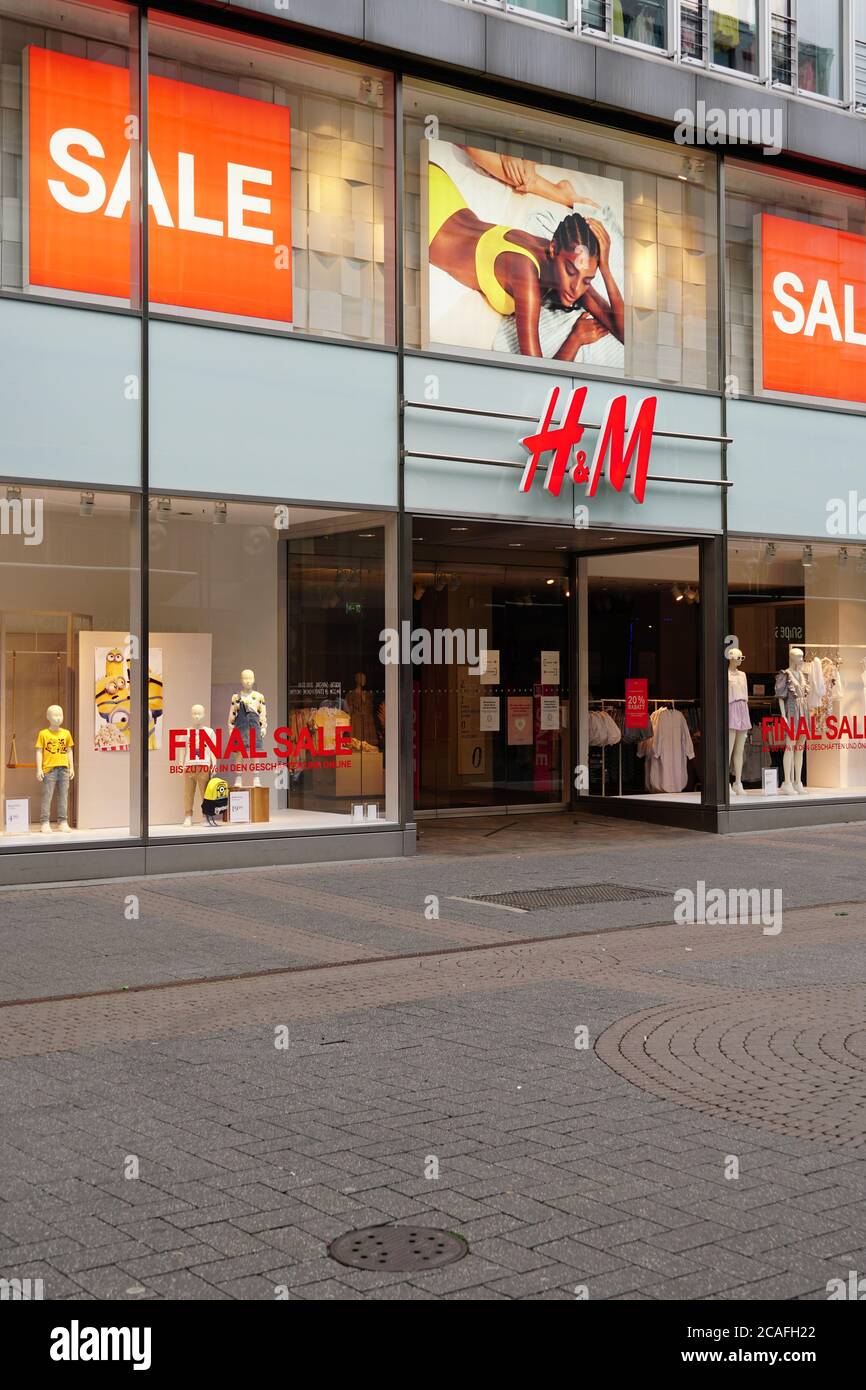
<point x="439" y="581"/>
<point x="770" y="552"/>
<point x="843" y="557"/>
<point x="454" y="585"/>
<point x="419" y="591"/>
<point x="691" y="594"/>
<point x="861" y="560"/>
<point x="13" y="494"/>
<point x="678" y="594"/>
<point x="220" y="513"/>
<point x="808" y="560"/>
<point x="163" y="504"/>
<point x="85" y="503"/>
<point x="550" y="581"/>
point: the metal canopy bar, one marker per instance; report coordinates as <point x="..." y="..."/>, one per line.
<point x="533" y="420"/>
<point x="508" y="463"/>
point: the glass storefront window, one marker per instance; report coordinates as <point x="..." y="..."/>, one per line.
<point x="642" y="21"/>
<point x="734" y="35"/>
<point x="819" y="47"/>
<point x="272" y="187"/>
<point x="532" y="235"/>
<point x="269" y="621"/>
<point x="641" y="712"/>
<point x="68" y="168"/>
<point x="808" y="362"/>
<point x="798" y="615"/>
<point x="860" y="52"/>
<point x="548" y="9"/>
<point x="69" y="668"/>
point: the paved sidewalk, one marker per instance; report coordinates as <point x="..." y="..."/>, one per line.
<point x="709" y="1142"/>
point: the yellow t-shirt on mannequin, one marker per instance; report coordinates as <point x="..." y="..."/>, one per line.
<point x="55" y="745"/>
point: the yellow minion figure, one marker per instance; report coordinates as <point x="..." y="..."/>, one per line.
<point x="113" y="695"/>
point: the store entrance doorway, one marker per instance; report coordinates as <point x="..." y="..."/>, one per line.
<point x="492" y="739"/>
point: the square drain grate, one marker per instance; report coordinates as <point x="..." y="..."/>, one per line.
<point x="579" y="895"/>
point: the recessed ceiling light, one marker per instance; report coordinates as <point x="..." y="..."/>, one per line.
<point x="515" y="545"/>
<point x="560" y="547"/>
<point x="365" y="535"/>
<point x="459" y="528"/>
<point x="550" y="581"/>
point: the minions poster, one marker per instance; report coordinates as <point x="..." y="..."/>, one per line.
<point x="112" y="697"/>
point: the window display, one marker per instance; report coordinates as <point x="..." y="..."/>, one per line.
<point x="798" y="610"/>
<point x="527" y="234"/>
<point x="69" y="682"/>
<point x="268" y="620"/>
<point x="291" y="220"/>
<point x="795" y="257"/>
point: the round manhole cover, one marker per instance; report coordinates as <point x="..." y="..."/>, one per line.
<point x="400" y="1248"/>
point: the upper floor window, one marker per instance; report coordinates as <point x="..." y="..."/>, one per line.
<point x="640" y="21"/>
<point x="807" y="45"/>
<point x="860" y="52"/>
<point x="733" y="36"/>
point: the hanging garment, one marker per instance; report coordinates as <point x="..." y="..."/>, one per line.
<point x="726" y="30"/>
<point x="817" y="687"/>
<point x="667" y="762"/>
<point x="643" y="28"/>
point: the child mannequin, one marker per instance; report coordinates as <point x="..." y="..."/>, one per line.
<point x="55" y="768"/>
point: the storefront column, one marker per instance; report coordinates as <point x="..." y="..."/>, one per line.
<point x="714" y="691"/>
<point x="408" y="733"/>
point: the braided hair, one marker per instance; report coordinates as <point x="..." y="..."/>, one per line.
<point x="575" y="231"/>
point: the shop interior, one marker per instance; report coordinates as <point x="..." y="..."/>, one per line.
<point x="563" y="639"/>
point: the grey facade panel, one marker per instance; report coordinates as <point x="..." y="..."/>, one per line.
<point x="540" y="58"/>
<point x="642" y="85"/>
<point x="429" y="29"/>
<point x="344" y="17"/>
<point x="741" y="96"/>
<point x="828" y="135"/>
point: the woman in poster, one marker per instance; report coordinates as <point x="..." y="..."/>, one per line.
<point x="517" y="271"/>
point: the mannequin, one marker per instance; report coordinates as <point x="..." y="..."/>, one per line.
<point x="792" y="689"/>
<point x="249" y="711"/>
<point x="196" y="771"/>
<point x="360" y="707"/>
<point x="739" y="722"/>
<point x="55" y="768"/>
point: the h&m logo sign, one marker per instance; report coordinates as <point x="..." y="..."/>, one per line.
<point x="625" y="449"/>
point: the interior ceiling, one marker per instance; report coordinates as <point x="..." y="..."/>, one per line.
<point x="516" y="540"/>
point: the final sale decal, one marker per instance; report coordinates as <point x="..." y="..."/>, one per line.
<point x="219" y="190"/>
<point x="813" y="309"/>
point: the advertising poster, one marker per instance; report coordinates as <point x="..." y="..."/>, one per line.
<point x="550" y="668"/>
<point x="549" y="709"/>
<point x="470" y="746"/>
<point x="636" y="704"/>
<point x="489" y="714"/>
<point x="219" y="189"/>
<point x="811" y="330"/>
<point x="490" y="676"/>
<point x="112" y="699"/>
<point x="519" y="719"/>
<point x="522" y="258"/>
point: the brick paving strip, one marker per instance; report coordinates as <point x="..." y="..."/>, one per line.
<point x="633" y="960"/>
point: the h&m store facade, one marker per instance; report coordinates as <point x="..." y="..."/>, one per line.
<point x="263" y="469"/>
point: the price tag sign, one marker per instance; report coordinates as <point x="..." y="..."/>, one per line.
<point x="636" y="704"/>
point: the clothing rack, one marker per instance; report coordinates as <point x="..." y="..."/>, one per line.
<point x="656" y="703"/>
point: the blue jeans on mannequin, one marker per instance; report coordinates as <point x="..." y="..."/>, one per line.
<point x="55" y="777"/>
